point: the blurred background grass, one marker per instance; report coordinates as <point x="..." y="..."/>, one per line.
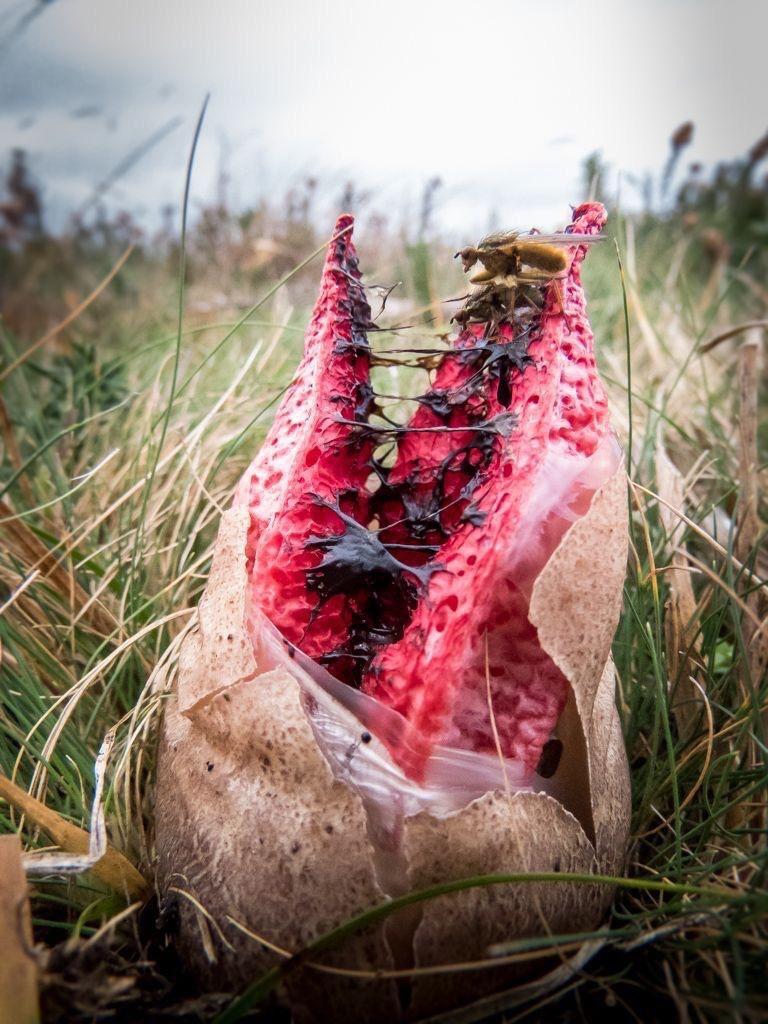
<point x="112" y="479"/>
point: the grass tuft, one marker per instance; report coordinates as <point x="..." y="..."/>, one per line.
<point x="111" y="487"/>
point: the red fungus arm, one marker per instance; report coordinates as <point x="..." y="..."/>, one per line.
<point x="314" y="457"/>
<point x="470" y="632"/>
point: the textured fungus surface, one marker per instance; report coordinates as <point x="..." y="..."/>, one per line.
<point x="472" y="593"/>
<point x="470" y="642"/>
<point x="448" y="442"/>
<point x="418" y="589"/>
<point x="308" y="481"/>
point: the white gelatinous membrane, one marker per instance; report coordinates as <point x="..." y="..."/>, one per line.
<point x="565" y="485"/>
<point x="353" y="729"/>
<point x="343" y="718"/>
<point x="342" y="721"/>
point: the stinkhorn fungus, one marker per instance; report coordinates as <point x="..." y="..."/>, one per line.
<point x="428" y="609"/>
<point x="402" y="671"/>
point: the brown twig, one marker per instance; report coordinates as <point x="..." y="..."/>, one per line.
<point x="18" y="969"/>
<point x="732" y="332"/>
<point x="747" y="538"/>
<point x="749" y="526"/>
<point x="113" y="869"/>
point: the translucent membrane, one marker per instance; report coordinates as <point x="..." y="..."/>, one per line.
<point x="353" y="728"/>
<point x="564" y="488"/>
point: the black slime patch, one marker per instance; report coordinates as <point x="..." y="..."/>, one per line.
<point x="549" y="760"/>
<point x="472" y="514"/>
<point x="381" y="591"/>
<point x="384" y="590"/>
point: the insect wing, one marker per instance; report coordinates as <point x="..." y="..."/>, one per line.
<point x="561" y="238"/>
<point x="498" y="239"/>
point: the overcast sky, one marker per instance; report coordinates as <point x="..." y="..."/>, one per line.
<point x="502" y="99"/>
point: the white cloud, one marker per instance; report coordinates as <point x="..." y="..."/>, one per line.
<point x="388" y="93"/>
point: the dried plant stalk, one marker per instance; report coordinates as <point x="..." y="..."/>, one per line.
<point x="681" y="619"/>
<point x="18" y="970"/>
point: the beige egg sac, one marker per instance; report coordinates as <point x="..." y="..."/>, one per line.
<point x="265" y="845"/>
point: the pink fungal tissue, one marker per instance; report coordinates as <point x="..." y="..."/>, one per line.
<point x="401" y="558"/>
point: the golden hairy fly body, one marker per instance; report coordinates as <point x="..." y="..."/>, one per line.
<point x="514" y="265"/>
<point x="540" y="256"/>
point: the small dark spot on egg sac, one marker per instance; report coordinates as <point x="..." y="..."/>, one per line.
<point x="551" y="753"/>
<point x="209" y="766"/>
